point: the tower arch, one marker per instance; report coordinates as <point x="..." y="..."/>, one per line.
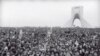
<point x="77" y="14"/>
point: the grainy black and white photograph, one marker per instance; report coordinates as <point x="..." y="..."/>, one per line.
<point x="49" y="27"/>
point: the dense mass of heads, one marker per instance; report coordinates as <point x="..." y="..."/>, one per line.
<point x="49" y="42"/>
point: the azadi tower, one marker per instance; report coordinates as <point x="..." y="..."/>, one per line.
<point x="77" y="14"/>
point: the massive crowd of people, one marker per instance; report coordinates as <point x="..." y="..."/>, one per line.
<point x="49" y="42"/>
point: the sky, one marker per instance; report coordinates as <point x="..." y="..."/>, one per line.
<point x="46" y="13"/>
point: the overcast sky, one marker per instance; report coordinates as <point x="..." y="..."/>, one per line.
<point x="49" y="13"/>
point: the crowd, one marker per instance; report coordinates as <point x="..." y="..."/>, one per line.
<point x="49" y="42"/>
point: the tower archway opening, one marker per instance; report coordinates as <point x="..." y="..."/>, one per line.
<point x="77" y="19"/>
